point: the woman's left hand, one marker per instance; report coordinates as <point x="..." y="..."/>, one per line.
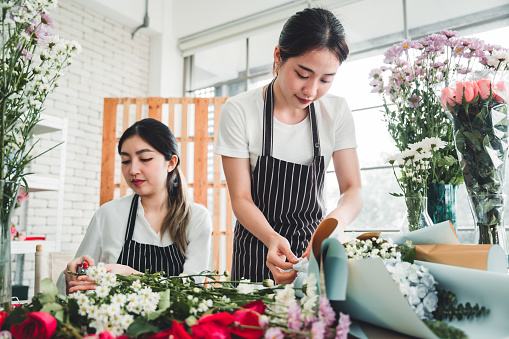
<point x="120" y="269"/>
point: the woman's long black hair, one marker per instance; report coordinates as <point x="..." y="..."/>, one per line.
<point x="160" y="137"/>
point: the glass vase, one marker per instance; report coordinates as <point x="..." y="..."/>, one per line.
<point x="488" y="213"/>
<point x="442" y="203"/>
<point x="416" y="216"/>
<point x="8" y="194"/>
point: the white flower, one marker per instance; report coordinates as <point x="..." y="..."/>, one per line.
<point x="430" y="302"/>
<point x="102" y="291"/>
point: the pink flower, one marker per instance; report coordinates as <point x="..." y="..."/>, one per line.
<point x="22" y="196"/>
<point x="325" y="311"/>
<point x="22" y="236"/>
<point x="501" y="92"/>
<point x="467" y="90"/>
<point x="318" y="330"/>
<point x="448" y="97"/>
<point x="343" y="326"/>
<point x="294" y="317"/>
<point x="14" y="232"/>
<point x="485" y="88"/>
<point x="274" y="333"/>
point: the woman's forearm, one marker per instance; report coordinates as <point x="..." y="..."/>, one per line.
<point x="349" y="206"/>
<point x="253" y="220"/>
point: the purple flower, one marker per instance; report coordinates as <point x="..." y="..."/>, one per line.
<point x="375" y="73"/>
<point x="294" y="317"/>
<point x="46" y="19"/>
<point x="343" y="326"/>
<point x="449" y="34"/>
<point x="274" y="333"/>
<point x="318" y="330"/>
<point x="325" y="311"/>
<point x="310" y="320"/>
<point x="414" y="101"/>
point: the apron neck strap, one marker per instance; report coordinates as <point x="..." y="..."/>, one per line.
<point x="268" y="117"/>
<point x="132" y="219"/>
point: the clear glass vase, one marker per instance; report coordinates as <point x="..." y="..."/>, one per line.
<point x="442" y="203"/>
<point x="488" y="213"/>
<point x="8" y="194"/>
<point x="416" y="215"/>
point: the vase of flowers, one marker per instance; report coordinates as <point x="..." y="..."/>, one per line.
<point x="32" y="60"/>
<point x="478" y="110"/>
<point x="411" y="169"/>
<point x="407" y="82"/>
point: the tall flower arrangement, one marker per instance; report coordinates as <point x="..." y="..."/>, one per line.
<point x="407" y="83"/>
<point x="32" y="60"/>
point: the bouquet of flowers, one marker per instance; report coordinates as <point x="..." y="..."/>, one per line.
<point x="154" y="306"/>
<point x="478" y="110"/>
<point x="407" y="84"/>
<point x="413" y="165"/>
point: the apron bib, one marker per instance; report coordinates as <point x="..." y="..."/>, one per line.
<point x="153" y="258"/>
<point x="289" y="195"/>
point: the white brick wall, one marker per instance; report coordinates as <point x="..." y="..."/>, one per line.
<point x="111" y="65"/>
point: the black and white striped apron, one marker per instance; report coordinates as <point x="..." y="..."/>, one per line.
<point x="143" y="257"/>
<point x="289" y="195"/>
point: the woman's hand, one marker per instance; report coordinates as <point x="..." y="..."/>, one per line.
<point x="120" y="269"/>
<point x="82" y="283"/>
<point x="279" y="250"/>
<point x="72" y="267"/>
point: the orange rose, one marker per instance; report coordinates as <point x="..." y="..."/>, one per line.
<point x="467" y="90"/>
<point x="448" y="97"/>
<point x="485" y="88"/>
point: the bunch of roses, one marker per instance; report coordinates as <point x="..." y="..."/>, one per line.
<point x="371" y="248"/>
<point x="472" y="91"/>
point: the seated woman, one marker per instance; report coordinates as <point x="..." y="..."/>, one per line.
<point x="157" y="228"/>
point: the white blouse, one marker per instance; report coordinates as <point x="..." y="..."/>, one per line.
<point x="106" y="233"/>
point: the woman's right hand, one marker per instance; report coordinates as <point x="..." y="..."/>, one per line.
<point x="74" y="282"/>
<point x="279" y="250"/>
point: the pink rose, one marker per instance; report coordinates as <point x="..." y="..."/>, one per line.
<point x="501" y="92"/>
<point x="448" y="97"/>
<point x="467" y="90"/>
<point x="485" y="88"/>
<point x="38" y="325"/>
<point x="22" y="236"/>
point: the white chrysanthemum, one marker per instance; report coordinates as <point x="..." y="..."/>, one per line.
<point x="119" y="299"/>
<point x="244" y="287"/>
<point x="102" y="291"/>
<point x="136" y="286"/>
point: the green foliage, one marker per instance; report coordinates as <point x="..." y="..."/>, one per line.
<point x="447" y="308"/>
<point x="408" y="252"/>
<point x="445" y="331"/>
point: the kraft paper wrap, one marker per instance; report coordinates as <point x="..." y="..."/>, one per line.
<point x="481" y="257"/>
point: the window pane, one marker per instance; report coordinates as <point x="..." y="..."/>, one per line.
<point x="261" y="51"/>
<point x="219" y="64"/>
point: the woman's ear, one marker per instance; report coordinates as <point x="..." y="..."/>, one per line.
<point x="277" y="58"/>
<point x="172" y="163"/>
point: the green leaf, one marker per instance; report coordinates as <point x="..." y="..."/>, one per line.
<point x="396" y="194"/>
<point x="49" y="291"/>
<point x="164" y="303"/>
<point x="408" y="252"/>
<point x="55" y="310"/>
<point x="473" y="139"/>
<point x="139" y="326"/>
<point x="447" y="160"/>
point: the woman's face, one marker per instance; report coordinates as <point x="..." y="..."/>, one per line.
<point x="144" y="168"/>
<point x="305" y="78"/>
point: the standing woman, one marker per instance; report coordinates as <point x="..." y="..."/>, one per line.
<point x="157" y="228"/>
<point x="276" y="143"/>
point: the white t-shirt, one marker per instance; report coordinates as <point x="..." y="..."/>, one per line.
<point x="240" y="130"/>
<point x="106" y="233"/>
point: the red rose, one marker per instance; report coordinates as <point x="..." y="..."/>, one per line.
<point x="258" y="306"/>
<point x="104" y="335"/>
<point x="177" y="331"/>
<point x="222" y="318"/>
<point x="210" y="330"/>
<point x="247" y="318"/>
<point x="38" y="325"/>
<point x="3" y="315"/>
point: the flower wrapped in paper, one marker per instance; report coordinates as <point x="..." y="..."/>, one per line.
<point x="478" y="110"/>
<point x="365" y="290"/>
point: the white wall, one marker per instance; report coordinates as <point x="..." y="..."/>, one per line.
<point x="111" y="65"/>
